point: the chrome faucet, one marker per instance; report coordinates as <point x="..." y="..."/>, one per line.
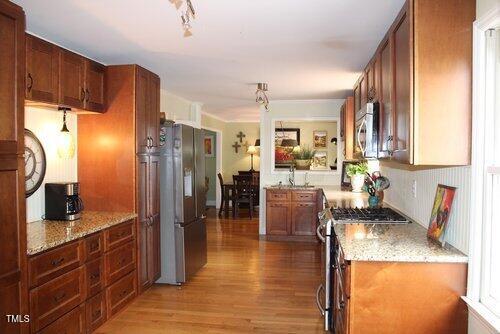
<point x="305" y="180"/>
<point x="291" y="175"/>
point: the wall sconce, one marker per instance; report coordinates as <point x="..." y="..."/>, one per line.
<point x="65" y="141"/>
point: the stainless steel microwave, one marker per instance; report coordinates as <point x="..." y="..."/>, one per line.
<point x="366" y="134"/>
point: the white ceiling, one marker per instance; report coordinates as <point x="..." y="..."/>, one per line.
<point x="304" y="49"/>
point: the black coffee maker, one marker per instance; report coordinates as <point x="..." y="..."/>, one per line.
<point x="62" y="201"/>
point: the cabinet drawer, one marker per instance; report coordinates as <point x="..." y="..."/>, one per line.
<point x="118" y="235"/>
<point x="54" y="263"/>
<point x="119" y="262"/>
<point x="120" y="293"/>
<point x="304" y="196"/>
<point x="278" y="195"/>
<point x="94" y="276"/>
<point x="95" y="309"/>
<point x="94" y="246"/>
<point x="53" y="299"/>
<point x="71" y="323"/>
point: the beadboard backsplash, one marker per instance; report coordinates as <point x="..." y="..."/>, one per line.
<point x="419" y="208"/>
<point x="46" y="124"/>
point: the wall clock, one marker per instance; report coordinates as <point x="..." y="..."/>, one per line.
<point x="34" y="162"/>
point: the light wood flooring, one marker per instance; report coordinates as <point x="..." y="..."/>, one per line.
<point x="247" y="286"/>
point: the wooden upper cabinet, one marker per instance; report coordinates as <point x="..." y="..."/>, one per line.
<point x="349" y="127"/>
<point x="72" y="80"/>
<point x="363" y="92"/>
<point x="385" y="99"/>
<point x="357" y="101"/>
<point x="147" y="111"/>
<point x="42" y="70"/>
<point x="154" y="110"/>
<point x="94" y="86"/>
<point x="402" y="90"/>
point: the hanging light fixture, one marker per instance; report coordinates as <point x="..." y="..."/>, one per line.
<point x="261" y="96"/>
<point x="65" y="141"/>
<point x="187" y="15"/>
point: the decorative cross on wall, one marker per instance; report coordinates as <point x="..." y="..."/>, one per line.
<point x="241" y="135"/>
<point x="236" y="146"/>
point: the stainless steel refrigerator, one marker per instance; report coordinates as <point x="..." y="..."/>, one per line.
<point x="183" y="199"/>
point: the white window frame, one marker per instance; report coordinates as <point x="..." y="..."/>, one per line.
<point x="483" y="111"/>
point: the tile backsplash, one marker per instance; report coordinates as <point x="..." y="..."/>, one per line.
<point x="400" y="195"/>
<point x="46" y="124"/>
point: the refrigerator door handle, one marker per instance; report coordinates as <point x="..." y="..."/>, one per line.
<point x="318" y="231"/>
<point x="318" y="302"/>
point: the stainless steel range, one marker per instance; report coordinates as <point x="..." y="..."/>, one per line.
<point x="330" y="295"/>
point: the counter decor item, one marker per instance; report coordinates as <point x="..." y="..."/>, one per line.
<point x="375" y="184"/>
<point x="357" y="173"/>
<point x="303" y="157"/>
<point x="35" y="162"/>
<point x="440" y="214"/>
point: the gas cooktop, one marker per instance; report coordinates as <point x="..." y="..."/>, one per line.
<point x="367" y="216"/>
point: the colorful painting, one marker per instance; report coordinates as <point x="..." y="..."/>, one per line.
<point x="440" y="213"/>
<point x="320" y="160"/>
<point x="319" y="139"/>
<point x="209" y="146"/>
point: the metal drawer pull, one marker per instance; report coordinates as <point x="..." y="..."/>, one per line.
<point x="94" y="276"/>
<point x="94" y="246"/>
<point x="30" y="85"/>
<point x="96" y="314"/>
<point x="318" y="302"/>
<point x="60" y="297"/>
<point x="318" y="232"/>
<point x="57" y="262"/>
<point x="123" y="293"/>
<point x="82" y="95"/>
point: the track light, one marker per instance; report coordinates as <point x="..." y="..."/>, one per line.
<point x="261" y="96"/>
<point x="187" y="15"/>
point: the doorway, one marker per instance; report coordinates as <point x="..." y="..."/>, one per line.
<point x="213" y="163"/>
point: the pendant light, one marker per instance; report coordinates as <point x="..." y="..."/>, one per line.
<point x="65" y="141"/>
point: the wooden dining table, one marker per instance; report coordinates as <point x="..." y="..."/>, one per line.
<point x="227" y="190"/>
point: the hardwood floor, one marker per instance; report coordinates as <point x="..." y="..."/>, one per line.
<point x="247" y="286"/>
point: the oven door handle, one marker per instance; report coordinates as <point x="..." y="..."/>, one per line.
<point x="318" y="302"/>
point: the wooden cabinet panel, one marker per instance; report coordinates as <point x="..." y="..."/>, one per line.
<point x="94" y="86"/>
<point x="349" y="128"/>
<point x="12" y="64"/>
<point x="153" y="185"/>
<point x="119" y="262"/>
<point x="154" y="110"/>
<point x="94" y="276"/>
<point x="55" y="262"/>
<point x="51" y="300"/>
<point x="42" y="70"/>
<point x="72" y="80"/>
<point x="363" y="91"/>
<point x="385" y="96"/>
<point x="402" y="90"/>
<point x="94" y="246"/>
<point x="304" y="196"/>
<point x="357" y="98"/>
<point x="277" y="195"/>
<point x="96" y="313"/>
<point x="278" y="218"/>
<point x="141" y="110"/>
<point x="71" y="323"/>
<point x="143" y="219"/>
<point x="120" y="293"/>
<point x="155" y="248"/>
<point x="303" y="218"/>
<point x="118" y="235"/>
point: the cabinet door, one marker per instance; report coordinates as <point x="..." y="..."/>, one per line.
<point x="402" y="90"/>
<point x="72" y="322"/>
<point x="363" y="91"/>
<point x="71" y="80"/>
<point x="95" y="309"/>
<point x="386" y="110"/>
<point x="357" y="101"/>
<point x="141" y="110"/>
<point x="304" y="219"/>
<point x="42" y="70"/>
<point x="94" y="86"/>
<point x="154" y="111"/>
<point x="278" y="218"/>
<point x="143" y="220"/>
<point x="154" y="216"/>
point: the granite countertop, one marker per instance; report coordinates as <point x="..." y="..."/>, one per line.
<point x="399" y="243"/>
<point x="47" y="234"/>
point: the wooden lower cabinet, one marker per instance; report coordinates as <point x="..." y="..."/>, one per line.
<point x="292" y="212"/>
<point x="399" y="297"/>
<point x="72" y="322"/>
<point x="96" y="277"/>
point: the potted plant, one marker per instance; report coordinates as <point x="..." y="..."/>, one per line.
<point x="303" y="157"/>
<point x="357" y="173"/>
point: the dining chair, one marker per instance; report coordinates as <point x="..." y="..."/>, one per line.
<point x="243" y="193"/>
<point x="222" y="197"/>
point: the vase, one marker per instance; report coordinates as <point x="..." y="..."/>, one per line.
<point x="373" y="201"/>
<point x="303" y="164"/>
<point x="357" y="183"/>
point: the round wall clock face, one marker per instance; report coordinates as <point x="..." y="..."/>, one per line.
<point x="34" y="162"/>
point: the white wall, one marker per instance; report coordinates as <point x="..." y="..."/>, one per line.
<point x="288" y="110"/>
<point x="419" y="208"/>
<point x="46" y="124"/>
